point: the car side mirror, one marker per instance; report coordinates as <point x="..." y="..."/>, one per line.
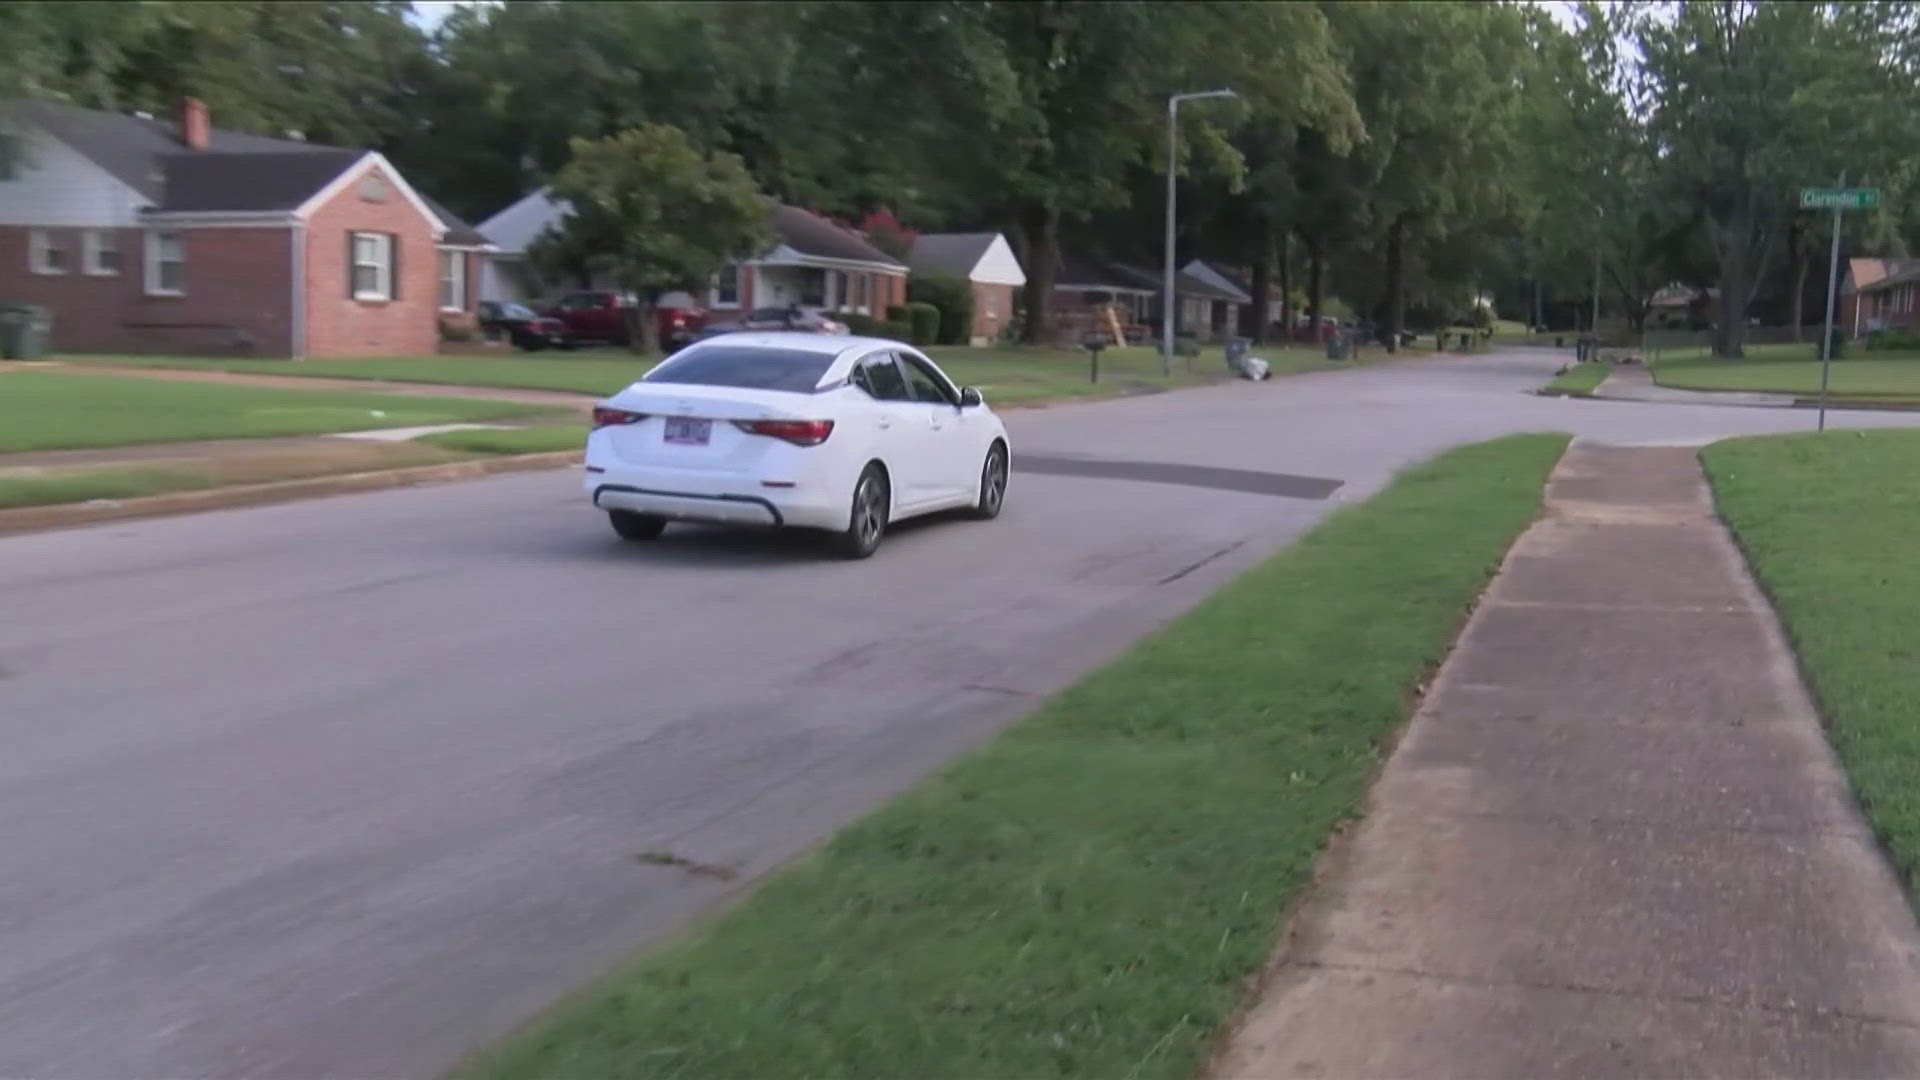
<point x="970" y="397"/>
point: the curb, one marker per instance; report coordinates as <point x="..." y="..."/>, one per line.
<point x="66" y="515"/>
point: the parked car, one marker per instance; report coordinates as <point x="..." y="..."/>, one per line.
<point x="503" y="320"/>
<point x="804" y="320"/>
<point x="798" y="430"/>
<point x="600" y="317"/>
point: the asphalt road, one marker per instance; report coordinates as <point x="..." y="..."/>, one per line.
<point x="343" y="788"/>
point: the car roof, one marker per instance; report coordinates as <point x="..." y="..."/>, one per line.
<point x="824" y="344"/>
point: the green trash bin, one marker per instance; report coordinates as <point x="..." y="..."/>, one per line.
<point x="1337" y="346"/>
<point x="1837" y="343"/>
<point x="25" y="330"/>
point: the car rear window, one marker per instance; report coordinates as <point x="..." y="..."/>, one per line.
<point x="792" y="370"/>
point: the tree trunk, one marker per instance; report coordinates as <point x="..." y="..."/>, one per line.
<point x="1396" y="281"/>
<point x="1286" y="290"/>
<point x="1253" y="319"/>
<point x="1800" y="263"/>
<point x="643" y="328"/>
<point x="1040" y="225"/>
<point x="1316" y="283"/>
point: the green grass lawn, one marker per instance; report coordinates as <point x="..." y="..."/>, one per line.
<point x="1007" y="374"/>
<point x="528" y="440"/>
<point x="1580" y="380"/>
<point x="1090" y="893"/>
<point x="597" y="373"/>
<point x="47" y="410"/>
<point x="1794" y="369"/>
<point x="1827" y="522"/>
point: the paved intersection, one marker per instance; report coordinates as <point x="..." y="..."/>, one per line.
<point x="343" y="787"/>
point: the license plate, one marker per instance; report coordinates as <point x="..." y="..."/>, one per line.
<point x="684" y="431"/>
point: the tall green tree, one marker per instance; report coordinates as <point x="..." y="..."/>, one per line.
<point x="654" y="213"/>
<point x="1751" y="101"/>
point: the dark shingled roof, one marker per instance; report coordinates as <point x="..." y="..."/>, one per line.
<point x="130" y="147"/>
<point x="236" y="173"/>
<point x="949" y="253"/>
<point x="249" y="181"/>
<point x="811" y="234"/>
<point x="1075" y="272"/>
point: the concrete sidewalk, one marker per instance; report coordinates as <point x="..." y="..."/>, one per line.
<point x="1613" y="842"/>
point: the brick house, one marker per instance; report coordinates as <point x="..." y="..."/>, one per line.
<point x="147" y="236"/>
<point x="813" y="262"/>
<point x="1880" y="294"/>
<point x="986" y="262"/>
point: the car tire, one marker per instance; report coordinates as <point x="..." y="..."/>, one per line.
<point x="993" y="484"/>
<point x="532" y="344"/>
<point x="867" y="524"/>
<point x="631" y="526"/>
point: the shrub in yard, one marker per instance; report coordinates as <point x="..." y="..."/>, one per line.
<point x="1894" y="339"/>
<point x="860" y="325"/>
<point x="925" y="320"/>
<point x="897" y="329"/>
<point x="896" y="313"/>
<point x="953" y="296"/>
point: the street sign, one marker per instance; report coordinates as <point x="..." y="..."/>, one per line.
<point x="1833" y="198"/>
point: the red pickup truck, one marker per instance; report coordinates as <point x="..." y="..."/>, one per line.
<point x="600" y="318"/>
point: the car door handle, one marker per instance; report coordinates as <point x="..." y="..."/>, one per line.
<point x="884" y="424"/>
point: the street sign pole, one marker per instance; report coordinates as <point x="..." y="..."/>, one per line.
<point x="1833" y="286"/>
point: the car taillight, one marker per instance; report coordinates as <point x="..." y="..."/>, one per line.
<point x="797" y="432"/>
<point x="606" y="417"/>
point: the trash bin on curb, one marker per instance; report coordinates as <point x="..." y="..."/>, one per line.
<point x="1337" y="346"/>
<point x="1236" y="349"/>
<point x="1836" y="343"/>
<point x="25" y="330"/>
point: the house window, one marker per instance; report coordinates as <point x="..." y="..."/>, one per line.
<point x="166" y="265"/>
<point x="101" y="250"/>
<point x="453" y="280"/>
<point x="726" y="286"/>
<point x="371" y="275"/>
<point x="861" y="283"/>
<point x="47" y="252"/>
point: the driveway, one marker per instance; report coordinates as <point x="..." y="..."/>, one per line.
<point x="345" y="787"/>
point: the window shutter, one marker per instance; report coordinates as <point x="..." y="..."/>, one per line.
<point x="350" y="256"/>
<point x="393" y="266"/>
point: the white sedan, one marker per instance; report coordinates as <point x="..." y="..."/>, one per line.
<point x="843" y="434"/>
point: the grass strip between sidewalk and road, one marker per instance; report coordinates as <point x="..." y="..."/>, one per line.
<point x="1827" y="522"/>
<point x="1091" y="893"/>
<point x="52" y="486"/>
<point x="1580" y="380"/>
<point x="527" y="440"/>
<point x="49" y="410"/>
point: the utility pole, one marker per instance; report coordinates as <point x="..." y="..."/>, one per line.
<point x="1169" y="303"/>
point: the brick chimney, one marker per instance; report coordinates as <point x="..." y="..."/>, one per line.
<point x="193" y="123"/>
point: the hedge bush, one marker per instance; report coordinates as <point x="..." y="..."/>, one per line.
<point x="860" y="325"/>
<point x="953" y="296"/>
<point x="925" y="321"/>
<point x="1894" y="339"/>
<point x="897" y="329"/>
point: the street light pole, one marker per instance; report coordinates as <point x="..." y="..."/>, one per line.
<point x="1833" y="287"/>
<point x="1168" y="302"/>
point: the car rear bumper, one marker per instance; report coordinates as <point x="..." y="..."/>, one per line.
<point x="687" y="498"/>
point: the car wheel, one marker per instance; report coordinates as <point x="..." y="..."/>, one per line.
<point x="872" y="504"/>
<point x="632" y="526"/>
<point x="993" y="484"/>
<point x="532" y="344"/>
